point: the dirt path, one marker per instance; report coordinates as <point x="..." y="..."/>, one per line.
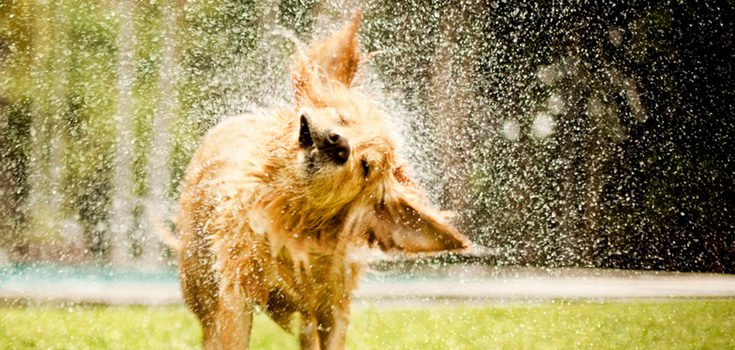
<point x="531" y="285"/>
<point x="486" y="285"/>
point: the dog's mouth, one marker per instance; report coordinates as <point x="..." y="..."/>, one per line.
<point x="328" y="143"/>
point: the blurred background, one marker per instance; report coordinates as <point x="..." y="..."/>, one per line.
<point x="563" y="135"/>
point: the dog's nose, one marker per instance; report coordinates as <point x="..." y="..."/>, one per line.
<point x="336" y="147"/>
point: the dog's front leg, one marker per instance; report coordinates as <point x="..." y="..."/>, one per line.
<point x="309" y="337"/>
<point x="333" y="327"/>
<point x="233" y="319"/>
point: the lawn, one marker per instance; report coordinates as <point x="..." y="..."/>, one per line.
<point x="679" y="324"/>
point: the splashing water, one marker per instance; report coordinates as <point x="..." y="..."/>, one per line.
<point x="561" y="135"/>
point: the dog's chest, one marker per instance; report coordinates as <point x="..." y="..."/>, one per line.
<point x="302" y="284"/>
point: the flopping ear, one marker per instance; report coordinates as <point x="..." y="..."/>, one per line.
<point x="333" y="60"/>
<point x="403" y="222"/>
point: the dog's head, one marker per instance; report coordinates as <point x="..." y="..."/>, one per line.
<point x="347" y="159"/>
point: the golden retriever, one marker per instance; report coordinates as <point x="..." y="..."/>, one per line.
<point x="272" y="206"/>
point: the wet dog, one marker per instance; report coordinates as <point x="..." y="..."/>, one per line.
<point x="273" y="206"/>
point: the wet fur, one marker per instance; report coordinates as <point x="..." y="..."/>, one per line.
<point x="267" y="224"/>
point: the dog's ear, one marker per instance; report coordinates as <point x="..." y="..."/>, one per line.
<point x="333" y="60"/>
<point x="403" y="221"/>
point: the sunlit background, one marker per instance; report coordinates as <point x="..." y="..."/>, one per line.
<point x="579" y="146"/>
<point x="562" y="135"/>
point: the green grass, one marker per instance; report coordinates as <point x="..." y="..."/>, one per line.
<point x="690" y="324"/>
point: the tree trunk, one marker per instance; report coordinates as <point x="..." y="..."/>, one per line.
<point x="122" y="199"/>
<point x="159" y="204"/>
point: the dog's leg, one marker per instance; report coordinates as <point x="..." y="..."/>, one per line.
<point x="309" y="337"/>
<point x="332" y="327"/>
<point x="234" y="318"/>
<point x="334" y="339"/>
<point x="200" y="285"/>
<point x="334" y="320"/>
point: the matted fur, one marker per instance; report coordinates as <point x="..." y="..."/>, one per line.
<point x="268" y="222"/>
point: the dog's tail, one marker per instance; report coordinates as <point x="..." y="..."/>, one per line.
<point x="160" y="229"/>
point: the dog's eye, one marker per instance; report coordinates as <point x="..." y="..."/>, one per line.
<point x="365" y="167"/>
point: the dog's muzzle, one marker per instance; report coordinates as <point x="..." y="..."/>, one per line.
<point x="328" y="143"/>
<point x="336" y="147"/>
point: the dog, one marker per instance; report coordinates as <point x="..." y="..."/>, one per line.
<point x="273" y="207"/>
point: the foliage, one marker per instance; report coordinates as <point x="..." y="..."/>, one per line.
<point x="87" y="124"/>
<point x="14" y="139"/>
<point x="562" y="134"/>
